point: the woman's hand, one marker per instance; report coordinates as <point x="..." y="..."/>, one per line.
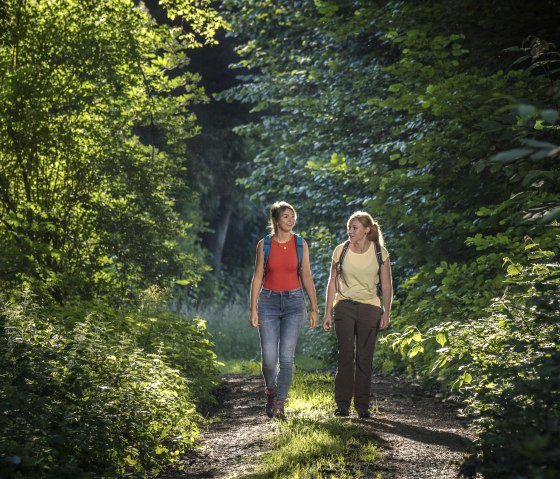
<point x="327" y="321"/>
<point x="385" y="320"/>
<point x="254" y="319"/>
<point x="313" y="318"/>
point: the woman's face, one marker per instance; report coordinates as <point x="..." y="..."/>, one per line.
<point x="287" y="220"/>
<point x="357" y="231"/>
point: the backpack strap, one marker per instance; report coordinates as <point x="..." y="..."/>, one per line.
<point x="378" y="254"/>
<point x="379" y="263"/>
<point x="266" y="251"/>
<point x="340" y="260"/>
<point x="299" y="249"/>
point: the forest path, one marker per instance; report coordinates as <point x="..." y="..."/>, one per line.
<point x="420" y="437"/>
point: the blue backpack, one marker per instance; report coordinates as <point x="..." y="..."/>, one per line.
<point x="299" y="249"/>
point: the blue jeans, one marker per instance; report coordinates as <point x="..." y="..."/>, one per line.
<point x="281" y="316"/>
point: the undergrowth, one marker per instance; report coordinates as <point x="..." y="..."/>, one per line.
<point x="87" y="391"/>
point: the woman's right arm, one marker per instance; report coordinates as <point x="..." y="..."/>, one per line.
<point x="256" y="284"/>
<point x="331" y="293"/>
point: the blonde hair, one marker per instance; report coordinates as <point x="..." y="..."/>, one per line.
<point x="367" y="221"/>
<point x="276" y="211"/>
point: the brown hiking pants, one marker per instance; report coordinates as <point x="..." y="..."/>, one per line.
<point x="356" y="326"/>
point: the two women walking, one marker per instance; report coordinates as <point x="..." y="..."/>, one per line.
<point x="282" y="270"/>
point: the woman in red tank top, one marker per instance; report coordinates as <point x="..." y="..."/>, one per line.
<point x="278" y="306"/>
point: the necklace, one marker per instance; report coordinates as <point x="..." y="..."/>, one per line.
<point x="283" y="243"/>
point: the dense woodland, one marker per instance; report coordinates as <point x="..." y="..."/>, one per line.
<point x="136" y="170"/>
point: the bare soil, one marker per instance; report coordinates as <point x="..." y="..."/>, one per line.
<point x="420" y="436"/>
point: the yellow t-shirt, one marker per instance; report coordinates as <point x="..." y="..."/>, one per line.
<point x="361" y="275"/>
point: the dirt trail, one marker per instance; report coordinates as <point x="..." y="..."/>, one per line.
<point x="420" y="436"/>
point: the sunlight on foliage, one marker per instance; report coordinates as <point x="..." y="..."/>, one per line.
<point x="87" y="383"/>
<point x="505" y="366"/>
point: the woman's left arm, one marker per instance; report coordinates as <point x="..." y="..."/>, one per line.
<point x="309" y="286"/>
<point x="387" y="285"/>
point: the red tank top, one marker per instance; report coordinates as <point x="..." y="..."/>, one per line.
<point x="282" y="268"/>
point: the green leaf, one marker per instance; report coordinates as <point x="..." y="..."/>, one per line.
<point x="514" y="269"/>
<point x="549" y="116"/>
<point x="538" y="144"/>
<point x="526" y="111"/>
<point x="511" y="155"/>
<point x="441" y="339"/>
<point x="415" y="350"/>
<point x="551" y="215"/>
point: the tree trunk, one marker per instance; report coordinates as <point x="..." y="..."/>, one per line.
<point x="220" y="238"/>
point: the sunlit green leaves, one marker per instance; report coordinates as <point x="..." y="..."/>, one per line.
<point x="441" y="338"/>
<point x="88" y="391"/>
<point x="463" y="379"/>
<point x="94" y="123"/>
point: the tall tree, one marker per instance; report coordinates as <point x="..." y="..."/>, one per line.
<point x="94" y="122"/>
<point x="220" y="157"/>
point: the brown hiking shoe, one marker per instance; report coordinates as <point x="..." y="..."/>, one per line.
<point x="270" y="399"/>
<point x="279" y="410"/>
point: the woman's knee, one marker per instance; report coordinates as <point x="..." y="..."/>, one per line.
<point x="268" y="368"/>
<point x="286" y="360"/>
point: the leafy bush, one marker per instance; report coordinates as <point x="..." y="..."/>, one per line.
<point x="506" y="367"/>
<point x="514" y="362"/>
<point x="519" y="423"/>
<point x="81" y="398"/>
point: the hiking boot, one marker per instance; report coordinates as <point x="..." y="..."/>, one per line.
<point x="364" y="414"/>
<point x="341" y="412"/>
<point x="270" y="399"/>
<point x="279" y="410"/>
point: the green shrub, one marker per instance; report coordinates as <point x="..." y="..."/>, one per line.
<point x="506" y="366"/>
<point x="519" y="425"/>
<point x="80" y="398"/>
<point x="513" y="364"/>
<point x="184" y="341"/>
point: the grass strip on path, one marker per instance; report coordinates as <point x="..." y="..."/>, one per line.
<point x="313" y="443"/>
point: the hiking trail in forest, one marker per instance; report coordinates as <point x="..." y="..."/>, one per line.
<point x="420" y="436"/>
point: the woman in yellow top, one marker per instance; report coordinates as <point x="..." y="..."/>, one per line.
<point x="352" y="299"/>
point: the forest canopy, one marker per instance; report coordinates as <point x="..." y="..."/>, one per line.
<point x="95" y="108"/>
